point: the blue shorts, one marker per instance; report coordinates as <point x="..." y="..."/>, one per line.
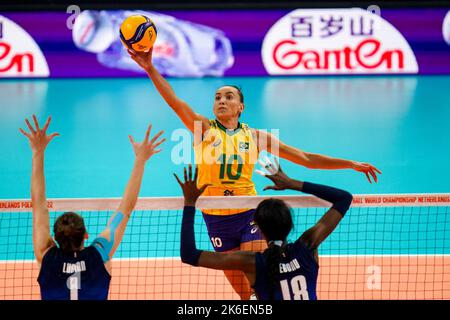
<point x="228" y="232"/>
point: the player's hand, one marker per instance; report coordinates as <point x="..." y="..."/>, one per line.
<point x="367" y="168"/>
<point x="274" y="173"/>
<point x="145" y="149"/>
<point x="143" y="59"/>
<point x="38" y="137"/>
<point x="190" y="190"/>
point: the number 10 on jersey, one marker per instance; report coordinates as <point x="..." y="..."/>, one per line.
<point x="227" y="163"/>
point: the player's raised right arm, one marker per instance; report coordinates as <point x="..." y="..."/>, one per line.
<point x="181" y="108"/>
<point x="39" y="140"/>
<point x="108" y="241"/>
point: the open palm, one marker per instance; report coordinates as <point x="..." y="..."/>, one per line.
<point x="38" y="137"/>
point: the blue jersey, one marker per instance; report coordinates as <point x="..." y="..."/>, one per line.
<point x="297" y="279"/>
<point x="81" y="276"/>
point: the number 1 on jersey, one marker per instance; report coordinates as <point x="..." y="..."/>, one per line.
<point x="74" y="284"/>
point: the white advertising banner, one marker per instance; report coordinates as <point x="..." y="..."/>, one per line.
<point x="336" y="41"/>
<point x="20" y="55"/>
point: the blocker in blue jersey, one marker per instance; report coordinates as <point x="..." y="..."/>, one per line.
<point x="68" y="269"/>
<point x="284" y="271"/>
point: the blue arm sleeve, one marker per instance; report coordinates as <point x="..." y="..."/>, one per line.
<point x="103" y="245"/>
<point x="188" y="251"/>
<point x="340" y="199"/>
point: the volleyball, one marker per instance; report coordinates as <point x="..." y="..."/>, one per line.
<point x="138" y="32"/>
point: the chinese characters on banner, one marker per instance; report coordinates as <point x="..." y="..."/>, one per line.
<point x="332" y="25"/>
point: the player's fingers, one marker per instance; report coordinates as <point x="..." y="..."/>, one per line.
<point x="29" y="126"/>
<point x="196" y="173"/>
<point x="368" y="177"/>
<point x="157" y="151"/>
<point x="132" y="53"/>
<point x="268" y="162"/>
<point x="374" y="168"/>
<point x="272" y="170"/>
<point x="159" y="143"/>
<point x="36" y="122"/>
<point x="149" y="53"/>
<point x="147" y="133"/>
<point x="206" y="185"/>
<point x="260" y="172"/>
<point x="185" y="174"/>
<point x="47" y="123"/>
<point x="156" y="136"/>
<point x="56" y="134"/>
<point x="374" y="175"/>
<point x="269" y="166"/>
<point x="131" y="139"/>
<point x="190" y="172"/>
<point x="272" y="178"/>
<point x="264" y="166"/>
<point x="262" y="163"/>
<point x="178" y="179"/>
<point x="24" y="133"/>
<point x="269" y="187"/>
<point x="277" y="164"/>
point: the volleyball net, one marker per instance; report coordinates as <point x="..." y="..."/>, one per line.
<point x="386" y="247"/>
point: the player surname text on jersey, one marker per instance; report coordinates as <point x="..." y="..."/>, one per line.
<point x="74" y="267"/>
<point x="290" y="266"/>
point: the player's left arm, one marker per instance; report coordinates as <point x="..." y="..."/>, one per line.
<point x="267" y="141"/>
<point x="236" y="260"/>
<point x="341" y="201"/>
<point x="38" y="138"/>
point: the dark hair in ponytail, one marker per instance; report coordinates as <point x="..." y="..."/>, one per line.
<point x="69" y="232"/>
<point x="273" y="256"/>
<point x="274" y="219"/>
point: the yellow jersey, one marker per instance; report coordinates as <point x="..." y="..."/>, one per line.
<point x="225" y="159"/>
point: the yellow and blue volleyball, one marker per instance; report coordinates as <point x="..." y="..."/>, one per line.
<point x="138" y="32"/>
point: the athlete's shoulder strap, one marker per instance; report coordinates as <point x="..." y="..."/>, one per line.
<point x="51" y="252"/>
<point x="305" y="253"/>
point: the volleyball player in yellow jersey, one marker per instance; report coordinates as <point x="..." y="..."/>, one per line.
<point x="225" y="159"/>
<point x="226" y="151"/>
